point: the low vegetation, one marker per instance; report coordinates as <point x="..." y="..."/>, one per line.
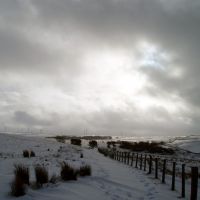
<point x="41" y="175"/>
<point x="21" y="179"/>
<point x="60" y="138"/>
<point x="111" y="144"/>
<point x="93" y="144"/>
<point x="150" y="147"/>
<point x="106" y="152"/>
<point x="68" y="172"/>
<point x="18" y="188"/>
<point x="32" y="154"/>
<point x="88" y="137"/>
<point x="85" y="170"/>
<point x="26" y="154"/>
<point x="75" y="141"/>
<point x="22" y="172"/>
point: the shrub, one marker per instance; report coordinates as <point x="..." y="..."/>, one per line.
<point x="76" y="141"/>
<point x="103" y="151"/>
<point x="106" y="152"/>
<point x="41" y="175"/>
<point x="26" y="154"/>
<point x="153" y="147"/>
<point x="85" y="170"/>
<point x="32" y="154"/>
<point x="18" y="187"/>
<point x="113" y="143"/>
<point x="60" y="139"/>
<point x="67" y="172"/>
<point x="93" y="143"/>
<point x="22" y="172"/>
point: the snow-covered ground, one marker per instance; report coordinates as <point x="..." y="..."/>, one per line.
<point x="110" y="179"/>
<point x="190" y="143"/>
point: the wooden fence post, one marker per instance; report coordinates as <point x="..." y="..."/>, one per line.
<point x="125" y="157"/>
<point x="145" y="161"/>
<point x="156" y="168"/>
<point x="164" y="170"/>
<point x="183" y="181"/>
<point x="194" y="183"/>
<point x="128" y="155"/>
<point x="122" y="157"/>
<point x="141" y="161"/>
<point x="150" y="164"/>
<point x="132" y="159"/>
<point x="136" y="161"/>
<point x="173" y="175"/>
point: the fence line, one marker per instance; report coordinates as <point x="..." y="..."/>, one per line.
<point x="144" y="159"/>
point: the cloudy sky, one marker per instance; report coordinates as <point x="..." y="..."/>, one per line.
<point x="109" y="66"/>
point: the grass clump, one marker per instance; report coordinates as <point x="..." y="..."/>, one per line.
<point x="32" y="154"/>
<point x="93" y="143"/>
<point x="150" y="147"/>
<point x="85" y="170"/>
<point x="103" y="151"/>
<point x="41" y="175"/>
<point x="22" y="172"/>
<point x="60" y="138"/>
<point x="18" y="188"/>
<point x="67" y="172"/>
<point x="26" y="154"/>
<point x="18" y="185"/>
<point x="76" y="141"/>
<point x="106" y="152"/>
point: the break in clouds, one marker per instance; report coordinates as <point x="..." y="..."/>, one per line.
<point x="108" y="66"/>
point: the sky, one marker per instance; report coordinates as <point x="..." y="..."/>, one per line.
<point x="102" y="67"/>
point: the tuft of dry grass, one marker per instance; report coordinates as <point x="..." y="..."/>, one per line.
<point x="67" y="172"/>
<point x="18" y="185"/>
<point x="22" y="172"/>
<point x="85" y="170"/>
<point x="41" y="175"/>
<point x="76" y="141"/>
<point x="26" y="154"/>
<point x="18" y="188"/>
<point x="32" y="154"/>
<point x="93" y="144"/>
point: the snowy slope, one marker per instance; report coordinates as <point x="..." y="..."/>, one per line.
<point x="110" y="179"/>
<point x="190" y="143"/>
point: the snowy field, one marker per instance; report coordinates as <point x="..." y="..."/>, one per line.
<point x="110" y="179"/>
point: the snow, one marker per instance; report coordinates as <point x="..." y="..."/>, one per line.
<point x="110" y="180"/>
<point x="191" y="143"/>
